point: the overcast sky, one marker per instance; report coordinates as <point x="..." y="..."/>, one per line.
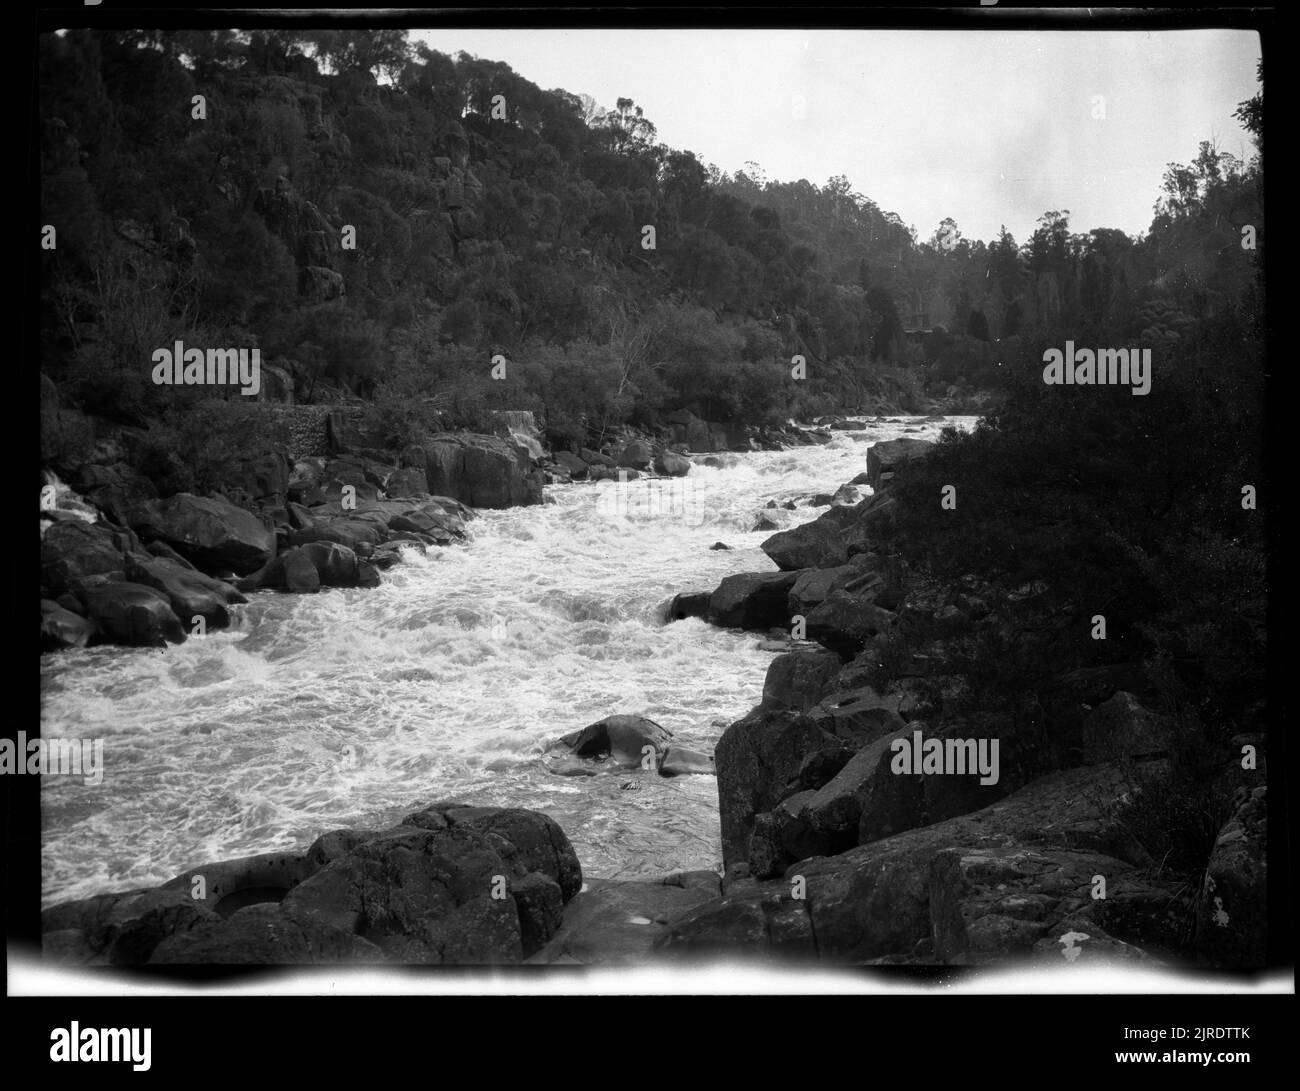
<point x="985" y="127"/>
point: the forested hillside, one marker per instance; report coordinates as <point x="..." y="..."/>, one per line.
<point x="381" y="219"/>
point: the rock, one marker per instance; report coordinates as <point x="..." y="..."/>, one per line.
<point x="679" y="761"/>
<point x="119" y="929"/>
<point x="816" y="544"/>
<point x="813" y="585"/>
<point x="262" y="934"/>
<point x="73" y="550"/>
<point x="483" y="471"/>
<point x="848" y="425"/>
<point x="62" y="628"/>
<point x="293" y="570"/>
<point x="888" y="455"/>
<point x="764" y="522"/>
<point x="367" y="575"/>
<point x="190" y="593"/>
<point x="766" y="920"/>
<point x="614" y="922"/>
<point x="574" y="466"/>
<point x="844" y="623"/>
<point x="795" y="680"/>
<point x="130" y="613"/>
<point x="885" y="898"/>
<point x="1121" y="727"/>
<point x="689" y="604"/>
<point x="622" y="737"/>
<point x="752" y="600"/>
<point x="353" y="533"/>
<point x="719" y="545"/>
<point x="847" y="496"/>
<point x="636" y="455"/>
<point x="672" y="464"/>
<point x="214" y="534"/>
<point x="1232" y="914"/>
<point x="755" y="758"/>
<point x="408" y="481"/>
<point x="336" y="565"/>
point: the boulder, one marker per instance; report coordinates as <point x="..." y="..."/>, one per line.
<point x="752" y="600"/>
<point x="130" y="613"/>
<point x="689" y="604"/>
<point x="214" y="534"/>
<point x="888" y="455"/>
<point x="72" y="550"/>
<point x="679" y="761"/>
<point x="797" y="679"/>
<point x="622" y="737"/>
<point x="844" y="623"/>
<point x="574" y="466"/>
<point x="292" y="570"/>
<point x="190" y="593"/>
<point x="636" y="455"/>
<point x="336" y="565"/>
<point x="483" y="471"/>
<point x="755" y="758"/>
<point x="61" y="628"/>
<point x="672" y="464"/>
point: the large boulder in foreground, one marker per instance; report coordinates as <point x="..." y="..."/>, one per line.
<point x="452" y="884"/>
<point x="1013" y="880"/>
<point x="888" y="455"/>
<point x="214" y="534"/>
<point x="482" y="471"/>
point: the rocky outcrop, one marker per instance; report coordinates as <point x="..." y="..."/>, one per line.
<point x="482" y="471"/>
<point x="1232" y="916"/>
<point x="887" y="456"/>
<point x="453" y="884"/>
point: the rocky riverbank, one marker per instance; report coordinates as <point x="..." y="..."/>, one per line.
<point x="832" y="850"/>
<point x="122" y="565"/>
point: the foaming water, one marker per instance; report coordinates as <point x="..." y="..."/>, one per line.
<point x="352" y="708"/>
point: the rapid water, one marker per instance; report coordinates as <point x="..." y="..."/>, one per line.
<point x="355" y="707"/>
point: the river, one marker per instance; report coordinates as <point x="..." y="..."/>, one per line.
<point x="355" y="707"/>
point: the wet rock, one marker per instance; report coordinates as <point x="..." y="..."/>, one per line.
<point x="672" y="464"/>
<point x="130" y="613"/>
<point x="213" y="534"/>
<point x="796" y="679"/>
<point x="752" y="600"/>
<point x="622" y="737"/>
<point x="482" y="471"/>
<point x="61" y="628"/>
<point x="679" y="761"/>
<point x="190" y="593"/>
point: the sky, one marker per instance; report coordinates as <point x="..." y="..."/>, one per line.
<point x="989" y="128"/>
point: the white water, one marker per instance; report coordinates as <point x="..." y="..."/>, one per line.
<point x="353" y="708"/>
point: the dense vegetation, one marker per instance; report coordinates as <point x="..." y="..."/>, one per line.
<point x="493" y="217"/>
<point x="1077" y="501"/>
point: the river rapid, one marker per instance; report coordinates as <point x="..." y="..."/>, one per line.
<point x="356" y="707"/>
